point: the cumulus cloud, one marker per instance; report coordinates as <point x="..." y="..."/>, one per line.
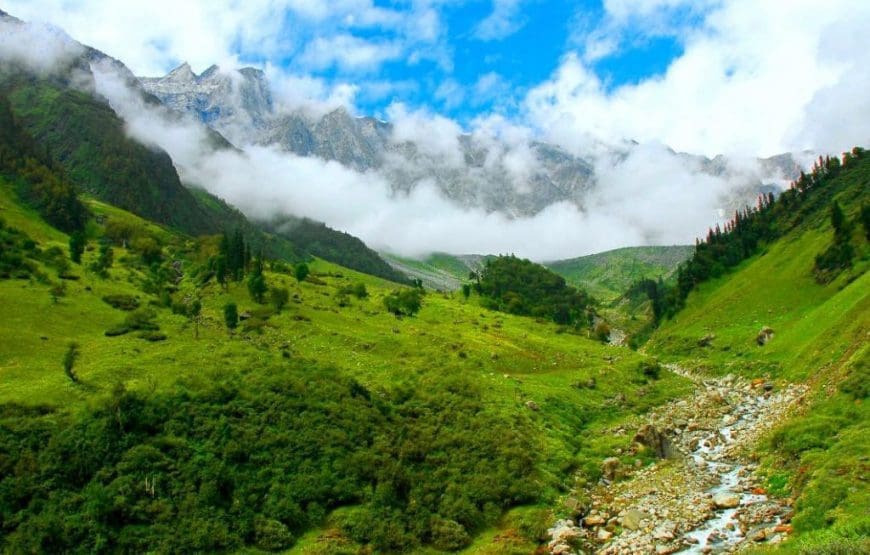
<point x="749" y="75"/>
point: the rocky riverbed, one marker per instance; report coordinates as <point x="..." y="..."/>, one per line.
<point x="703" y="496"/>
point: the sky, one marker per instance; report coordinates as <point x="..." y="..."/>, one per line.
<point x="696" y="75"/>
<point x="744" y="78"/>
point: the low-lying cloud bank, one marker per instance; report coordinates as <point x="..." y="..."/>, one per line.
<point x="650" y="197"/>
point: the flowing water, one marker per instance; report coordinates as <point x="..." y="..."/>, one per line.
<point x="723" y="531"/>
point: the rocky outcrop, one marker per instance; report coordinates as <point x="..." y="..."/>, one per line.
<point x="653" y="439"/>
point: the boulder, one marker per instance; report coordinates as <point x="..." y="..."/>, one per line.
<point x="610" y="468"/>
<point x="653" y="439"/>
<point x="593" y="520"/>
<point x="531" y="405"/>
<point x="726" y="500"/>
<point x="604" y="535"/>
<point x="764" y="336"/>
<point x="631" y="520"/>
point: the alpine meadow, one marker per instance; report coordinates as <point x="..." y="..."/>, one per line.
<point x="483" y="277"/>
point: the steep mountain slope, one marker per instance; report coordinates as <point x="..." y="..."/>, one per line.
<point x="78" y="131"/>
<point x="88" y="139"/>
<point x="608" y="275"/>
<point x="771" y="318"/>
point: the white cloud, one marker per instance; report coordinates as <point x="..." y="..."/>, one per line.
<point x="152" y="37"/>
<point x="349" y="53"/>
<point x="747" y="79"/>
<point x="504" y="20"/>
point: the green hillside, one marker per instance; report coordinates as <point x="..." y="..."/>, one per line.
<point x="356" y="421"/>
<point x="608" y="275"/>
<point x="820" y="335"/>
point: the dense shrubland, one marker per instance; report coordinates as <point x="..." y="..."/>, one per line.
<point x="259" y="459"/>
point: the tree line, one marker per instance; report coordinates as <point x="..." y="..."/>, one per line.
<point x="743" y="235"/>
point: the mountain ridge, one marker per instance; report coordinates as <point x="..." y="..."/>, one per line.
<point x="518" y="179"/>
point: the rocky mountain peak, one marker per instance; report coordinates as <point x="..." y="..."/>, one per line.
<point x="181" y="74"/>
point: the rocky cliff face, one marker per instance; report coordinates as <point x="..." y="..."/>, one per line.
<point x="485" y="173"/>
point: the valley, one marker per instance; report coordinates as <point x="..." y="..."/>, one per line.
<point x="191" y="361"/>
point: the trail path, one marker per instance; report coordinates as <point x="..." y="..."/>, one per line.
<point x="703" y="498"/>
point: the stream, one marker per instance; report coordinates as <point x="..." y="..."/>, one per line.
<point x="724" y="531"/>
<point x="706" y="496"/>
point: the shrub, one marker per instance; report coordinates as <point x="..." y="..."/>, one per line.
<point x="278" y="297"/>
<point x="406" y="302"/>
<point x="602" y="332"/>
<point x="449" y="535"/>
<point x="69" y="361"/>
<point x="231" y="315"/>
<point x="651" y="369"/>
<point x="122" y="302"/>
<point x="301" y="272"/>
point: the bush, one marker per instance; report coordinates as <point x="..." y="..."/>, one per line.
<point x="449" y="535"/>
<point x="278" y="297"/>
<point x="406" y="302"/>
<point x="231" y="315"/>
<point x="650" y="369"/>
<point x="272" y="535"/>
<point x="122" y="302"/>
<point x="301" y="272"/>
<point x="357" y="290"/>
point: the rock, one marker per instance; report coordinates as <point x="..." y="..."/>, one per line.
<point x="593" y="520"/>
<point x="531" y="405"/>
<point x="633" y="518"/>
<point x="610" y="468"/>
<point x="707" y="340"/>
<point x="650" y="437"/>
<point x="764" y="336"/>
<point x="726" y="500"/>
<point x="604" y="535"/>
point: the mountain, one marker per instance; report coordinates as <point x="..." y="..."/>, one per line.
<point x="439" y="271"/>
<point x="80" y="132"/>
<point x="608" y="275"/>
<point x="775" y="318"/>
<point x="517" y="179"/>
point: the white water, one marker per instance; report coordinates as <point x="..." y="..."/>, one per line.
<point x="723" y="532"/>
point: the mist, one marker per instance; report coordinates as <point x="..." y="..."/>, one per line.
<point x="645" y="197"/>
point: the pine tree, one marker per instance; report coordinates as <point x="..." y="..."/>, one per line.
<point x="257" y="282"/>
<point x="231" y="315"/>
<point x="77" y="243"/>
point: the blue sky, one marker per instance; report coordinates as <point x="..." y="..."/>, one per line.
<point x="493" y="70"/>
<point x="695" y="75"/>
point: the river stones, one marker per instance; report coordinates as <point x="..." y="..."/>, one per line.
<point x="726" y="500"/>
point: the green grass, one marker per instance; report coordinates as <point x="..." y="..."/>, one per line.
<point x="515" y="362"/>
